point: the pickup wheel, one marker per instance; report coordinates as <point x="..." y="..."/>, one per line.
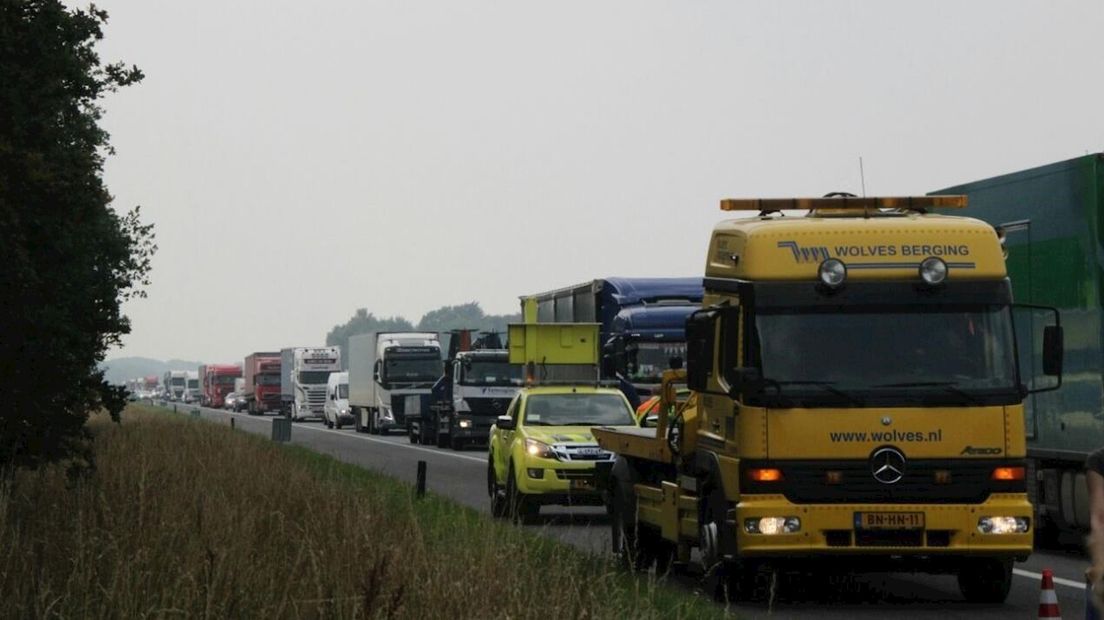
<point x="985" y="581"/>
<point x="495" y="490"/>
<point x="522" y="508"/>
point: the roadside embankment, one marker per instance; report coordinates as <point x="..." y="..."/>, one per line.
<point x="184" y="517"/>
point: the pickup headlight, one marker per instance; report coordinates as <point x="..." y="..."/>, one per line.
<point x="538" y="449"/>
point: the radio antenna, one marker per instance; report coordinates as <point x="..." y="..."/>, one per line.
<point x="862" y="176"/>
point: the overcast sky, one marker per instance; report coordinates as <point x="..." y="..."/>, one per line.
<point x="304" y="159"/>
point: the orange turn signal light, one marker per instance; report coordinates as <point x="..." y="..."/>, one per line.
<point x="833" y="477"/>
<point x="765" y="475"/>
<point x="1008" y="473"/>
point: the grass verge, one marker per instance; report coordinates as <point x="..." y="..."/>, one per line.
<point x="192" y="519"/>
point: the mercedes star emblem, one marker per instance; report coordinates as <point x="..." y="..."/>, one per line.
<point x="887" y="465"/>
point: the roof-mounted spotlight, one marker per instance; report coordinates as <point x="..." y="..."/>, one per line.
<point x="933" y="271"/>
<point x="832" y="273"/>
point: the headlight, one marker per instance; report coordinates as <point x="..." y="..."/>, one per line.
<point x="933" y="271"/>
<point x="539" y="448"/>
<point x="344" y="412"/>
<point x="832" y="273"/>
<point x="772" y="525"/>
<point x="1003" y="525"/>
<point x="464" y="423"/>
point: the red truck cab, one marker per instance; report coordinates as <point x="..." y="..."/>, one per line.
<point x="218" y="381"/>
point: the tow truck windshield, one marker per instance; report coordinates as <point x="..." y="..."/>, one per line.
<point x="578" y="410"/>
<point x="958" y="354"/>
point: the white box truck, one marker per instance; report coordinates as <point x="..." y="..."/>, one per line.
<point x="390" y="375"/>
<point x="304" y="372"/>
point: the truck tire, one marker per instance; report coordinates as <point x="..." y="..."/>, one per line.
<point x="373" y="426"/>
<point x="412" y="436"/>
<point x="496" y="492"/>
<point x="456" y="443"/>
<point x="522" y="509"/>
<point x="986" y="580"/>
<point x="425" y="439"/>
<point x="442" y="440"/>
<point x="727" y="579"/>
<point x="356" y="420"/>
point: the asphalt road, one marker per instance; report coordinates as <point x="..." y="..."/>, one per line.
<point x="461" y="476"/>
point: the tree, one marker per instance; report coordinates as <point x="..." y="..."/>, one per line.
<point x="363" y="322"/>
<point x="466" y="316"/>
<point x="69" y="260"/>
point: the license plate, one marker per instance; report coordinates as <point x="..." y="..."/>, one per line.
<point x="589" y="451"/>
<point x="582" y="485"/>
<point x="889" y="520"/>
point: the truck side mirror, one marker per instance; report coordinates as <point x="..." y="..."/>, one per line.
<point x="701" y="333"/>
<point x="505" y="423"/>
<point x="1053" y="350"/>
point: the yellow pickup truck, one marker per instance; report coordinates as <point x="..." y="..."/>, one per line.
<point x="542" y="451"/>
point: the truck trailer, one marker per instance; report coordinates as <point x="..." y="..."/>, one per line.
<point x="856" y="403"/>
<point x="390" y="376"/>
<point x="304" y="372"/>
<point x="261" y="385"/>
<point x="1049" y="222"/>
<point x="642" y="321"/>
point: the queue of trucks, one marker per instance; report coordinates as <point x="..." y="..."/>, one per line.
<point x="880" y="384"/>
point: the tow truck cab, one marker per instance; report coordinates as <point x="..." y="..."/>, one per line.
<point x="857" y="398"/>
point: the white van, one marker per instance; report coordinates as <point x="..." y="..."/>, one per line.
<point x="336" y="412"/>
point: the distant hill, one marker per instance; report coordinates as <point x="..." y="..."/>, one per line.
<point x="120" y="369"/>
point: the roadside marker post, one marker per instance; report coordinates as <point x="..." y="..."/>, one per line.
<point x="420" y="491"/>
<point x="232" y="420"/>
<point x="281" y="429"/>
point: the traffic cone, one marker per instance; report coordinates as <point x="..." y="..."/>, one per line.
<point x="1048" y="599"/>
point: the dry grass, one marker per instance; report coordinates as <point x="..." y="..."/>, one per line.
<point x="185" y="518"/>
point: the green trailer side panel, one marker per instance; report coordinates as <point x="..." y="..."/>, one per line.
<point x="1055" y="258"/>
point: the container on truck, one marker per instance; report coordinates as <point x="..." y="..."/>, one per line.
<point x="261" y="389"/>
<point x="856" y="401"/>
<point x="642" y="321"/>
<point x="304" y="372"/>
<point x="336" y="412"/>
<point x="390" y="376"/>
<point x="1047" y="218"/>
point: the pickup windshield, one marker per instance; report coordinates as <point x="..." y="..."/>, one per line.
<point x="411" y="369"/>
<point x="954" y="353"/>
<point x="578" y="410"/>
<point x="490" y="373"/>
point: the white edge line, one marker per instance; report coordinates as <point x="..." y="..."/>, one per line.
<point x="353" y="435"/>
<point x="1069" y="583"/>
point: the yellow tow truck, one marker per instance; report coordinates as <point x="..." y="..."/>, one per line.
<point x="856" y="402"/>
<point x="542" y="451"/>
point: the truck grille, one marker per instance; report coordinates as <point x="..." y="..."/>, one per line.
<point x="488" y="406"/>
<point x="575" y="474"/>
<point x="586" y="452"/>
<point x="804" y="482"/>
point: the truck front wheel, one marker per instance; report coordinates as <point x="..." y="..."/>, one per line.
<point x="522" y="508"/>
<point x="442" y="440"/>
<point x="498" y="496"/>
<point x="985" y="581"/>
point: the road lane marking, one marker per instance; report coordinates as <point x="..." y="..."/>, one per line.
<point x="356" y="435"/>
<point x="1069" y="583"/>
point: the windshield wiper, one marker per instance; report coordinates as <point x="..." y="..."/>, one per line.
<point x="826" y="385"/>
<point x="948" y="386"/>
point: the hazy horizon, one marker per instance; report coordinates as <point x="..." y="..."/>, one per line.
<point x="303" y="160"/>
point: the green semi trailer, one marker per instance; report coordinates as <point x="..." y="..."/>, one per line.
<point x="1051" y="222"/>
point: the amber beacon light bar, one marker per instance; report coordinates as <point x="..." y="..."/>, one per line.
<point x="907" y="203"/>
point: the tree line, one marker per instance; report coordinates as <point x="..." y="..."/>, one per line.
<point x="443" y="319"/>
